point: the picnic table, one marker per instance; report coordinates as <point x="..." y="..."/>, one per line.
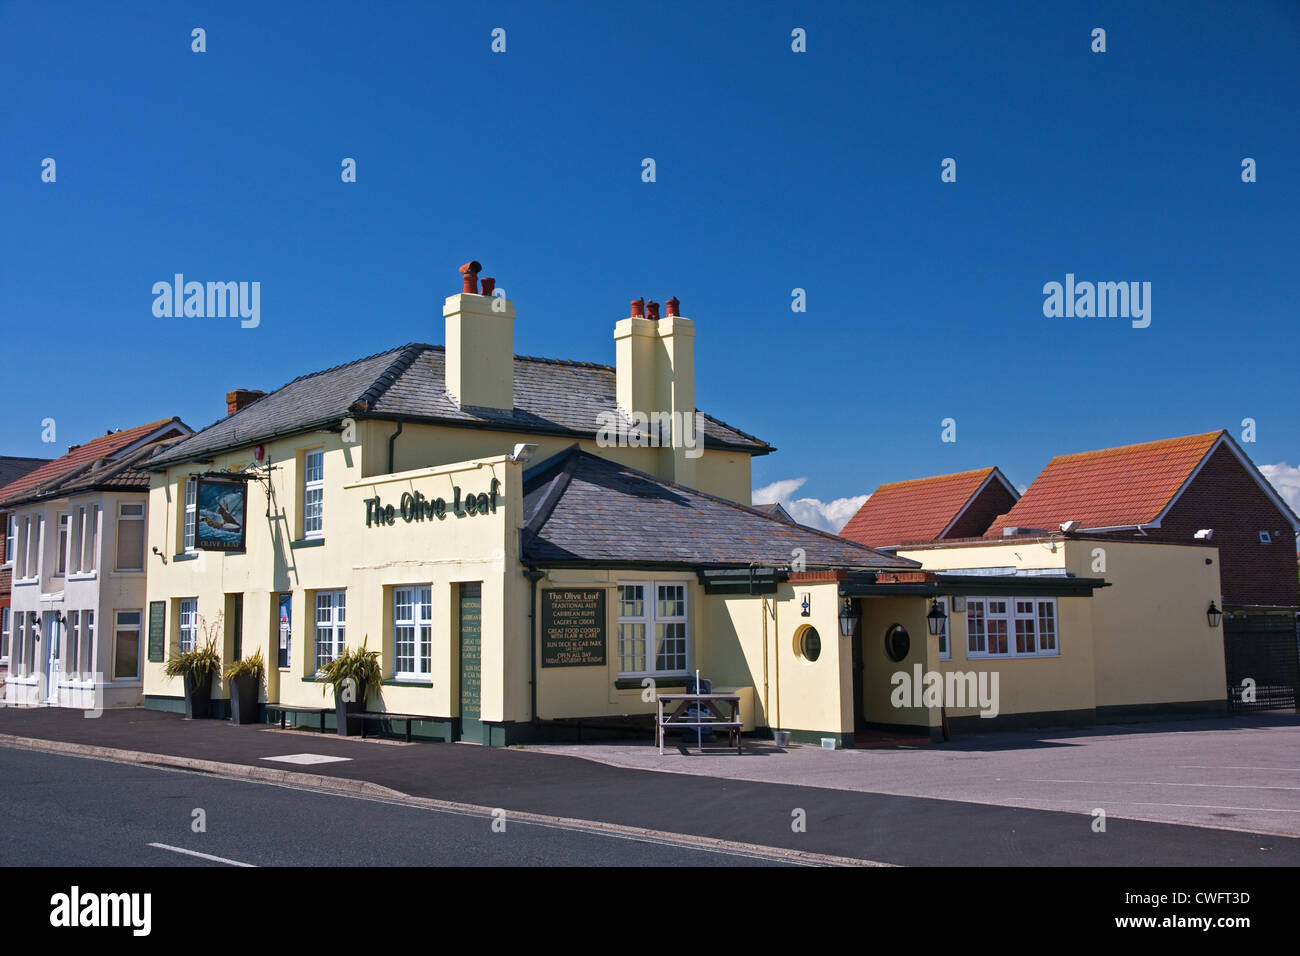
<point x="707" y="714"/>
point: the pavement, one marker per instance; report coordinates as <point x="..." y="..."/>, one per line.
<point x="1234" y="772"/>
<point x="797" y="814"/>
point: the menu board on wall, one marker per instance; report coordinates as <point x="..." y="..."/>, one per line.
<point x="573" y="627"/>
<point x="157" y="631"/>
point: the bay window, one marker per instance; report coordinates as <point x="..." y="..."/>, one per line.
<point x="1011" y="627"/>
<point x="4" y="634"/>
<point x="653" y="629"/>
<point x="11" y="536"/>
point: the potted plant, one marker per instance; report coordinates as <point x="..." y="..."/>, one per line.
<point x="353" y="674"/>
<point x="197" y="667"/>
<point x="245" y="678"/>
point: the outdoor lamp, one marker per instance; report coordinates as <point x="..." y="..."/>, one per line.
<point x="1213" y="615"/>
<point x="936" y="618"/>
<point x="849" y="617"/>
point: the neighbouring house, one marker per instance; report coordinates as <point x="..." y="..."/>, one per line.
<point x="941" y="507"/>
<point x="76" y="551"/>
<point x="11" y="468"/>
<point x="1194" y="488"/>
<point x="519" y="563"/>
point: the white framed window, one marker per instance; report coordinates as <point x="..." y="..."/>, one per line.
<point x="74" y="542"/>
<point x="1011" y="627"/>
<point x="413" y="632"/>
<point x="61" y="561"/>
<point x="17" y="650"/>
<point x="313" y="493"/>
<point x="331" y="615"/>
<point x="130" y="536"/>
<point x="945" y="646"/>
<point x="90" y="538"/>
<point x="191" y="522"/>
<point x="187" y="620"/>
<point x="71" y="640"/>
<point x="653" y="628"/>
<point x="5" y="635"/>
<point x="11" y="538"/>
<point x="126" y="645"/>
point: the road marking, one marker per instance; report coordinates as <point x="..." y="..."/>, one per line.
<point x="204" y="856"/>
<point x="1276" y="769"/>
<point x="1207" y="806"/>
<point x="1157" y="783"/>
<point x="306" y="758"/>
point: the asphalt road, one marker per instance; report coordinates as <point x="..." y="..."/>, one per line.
<point x="78" y="812"/>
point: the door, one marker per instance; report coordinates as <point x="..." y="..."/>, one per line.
<point x="53" y="670"/>
<point x="471" y="656"/>
<point x="237" y="627"/>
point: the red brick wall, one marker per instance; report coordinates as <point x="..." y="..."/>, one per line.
<point x="1224" y="496"/>
<point x="988" y="505"/>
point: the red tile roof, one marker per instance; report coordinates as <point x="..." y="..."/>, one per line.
<point x="916" y="510"/>
<point x="101" y="447"/>
<point x="1108" y="488"/>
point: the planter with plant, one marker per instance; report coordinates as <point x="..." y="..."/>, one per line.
<point x="353" y="675"/>
<point x="197" y="667"/>
<point x="245" y="678"/>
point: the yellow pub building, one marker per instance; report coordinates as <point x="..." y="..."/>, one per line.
<point x="533" y="544"/>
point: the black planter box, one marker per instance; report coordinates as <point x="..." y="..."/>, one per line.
<point x="244" y="708"/>
<point x="349" y="728"/>
<point x="198" y="698"/>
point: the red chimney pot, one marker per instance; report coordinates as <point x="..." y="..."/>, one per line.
<point x="652" y="310"/>
<point x="638" y="308"/>
<point x="672" y="305"/>
<point x="470" y="271"/>
<point x="489" y="285"/>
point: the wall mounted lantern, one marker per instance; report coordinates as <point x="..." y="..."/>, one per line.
<point x="849" y="617"/>
<point x="936" y="618"/>
<point x="1213" y="615"/>
<point x="806" y="605"/>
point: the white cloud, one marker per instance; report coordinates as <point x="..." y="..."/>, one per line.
<point x="826" y="515"/>
<point x="1286" y="480"/>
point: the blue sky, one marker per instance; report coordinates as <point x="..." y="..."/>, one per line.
<point x="775" y="170"/>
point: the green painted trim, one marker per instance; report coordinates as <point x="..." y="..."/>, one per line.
<point x="393" y="682"/>
<point x="307" y="543"/>
<point x="184" y="557"/>
<point x="171" y="705"/>
<point x="634" y="683"/>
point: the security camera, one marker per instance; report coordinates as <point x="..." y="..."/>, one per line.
<point x="1069" y="526"/>
<point x="1205" y="534"/>
<point x="523" y="452"/>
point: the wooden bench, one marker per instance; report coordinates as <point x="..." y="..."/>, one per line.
<point x="366" y="715"/>
<point x="284" y="710"/>
<point x="705" y="703"/>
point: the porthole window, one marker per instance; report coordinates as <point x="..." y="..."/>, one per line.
<point x="809" y="644"/>
<point x="897" y="642"/>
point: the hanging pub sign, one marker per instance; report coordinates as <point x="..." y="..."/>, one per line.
<point x="219" y="514"/>
<point x="573" y="627"/>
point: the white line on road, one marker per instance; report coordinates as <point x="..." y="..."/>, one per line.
<point x="205" y="856"/>
<point x="1276" y="769"/>
<point x="1208" y="806"/>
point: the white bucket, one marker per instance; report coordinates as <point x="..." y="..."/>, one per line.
<point x="781" y="737"/>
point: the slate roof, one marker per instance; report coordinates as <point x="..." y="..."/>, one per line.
<point x="13" y="467"/>
<point x="584" y="509"/>
<point x="102" y="453"/>
<point x="920" y="509"/>
<point x="1108" y="488"/>
<point x="552" y="396"/>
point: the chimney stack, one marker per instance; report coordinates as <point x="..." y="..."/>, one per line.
<point x="480" y="343"/>
<point x="655" y="373"/>
<point x="241" y="398"/>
